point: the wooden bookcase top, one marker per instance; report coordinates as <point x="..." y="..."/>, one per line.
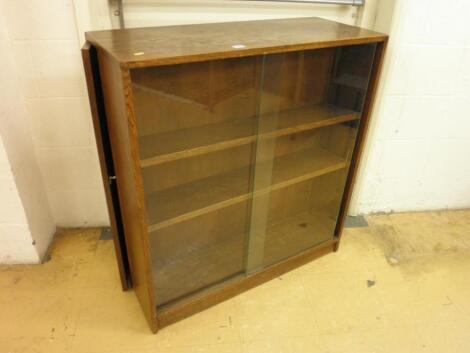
<point x="142" y="47"/>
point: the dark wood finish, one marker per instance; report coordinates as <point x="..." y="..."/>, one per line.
<point x="172" y="313"/>
<point x="142" y="47"/>
<point x="90" y="62"/>
<point x="215" y="158"/>
<point x="360" y="139"/>
<point x="175" y="205"/>
<point x="209" y="263"/>
<point x="122" y="130"/>
<point x="173" y="145"/>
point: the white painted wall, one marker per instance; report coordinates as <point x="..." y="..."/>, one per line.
<point x="142" y="13"/>
<point x="418" y="153"/>
<point x="46" y="48"/>
<point x="16" y="242"/>
<point x="26" y="223"/>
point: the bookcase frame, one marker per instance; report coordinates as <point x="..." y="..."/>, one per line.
<point x="109" y="59"/>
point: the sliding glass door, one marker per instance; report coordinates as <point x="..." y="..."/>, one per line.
<point x="309" y="112"/>
<point x="244" y="161"/>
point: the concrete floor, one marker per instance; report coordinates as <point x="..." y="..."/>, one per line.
<point x="399" y="285"/>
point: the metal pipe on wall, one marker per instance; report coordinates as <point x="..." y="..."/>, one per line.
<point x="118" y="8"/>
<point x="332" y="2"/>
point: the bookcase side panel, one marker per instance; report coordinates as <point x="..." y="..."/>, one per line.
<point x="122" y="130"/>
<point x="361" y="135"/>
<point x="90" y="63"/>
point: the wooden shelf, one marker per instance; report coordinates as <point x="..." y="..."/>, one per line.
<point x="202" y="267"/>
<point x="296" y="234"/>
<point x="198" y="267"/>
<point x="181" y="203"/>
<point x="173" y="145"/>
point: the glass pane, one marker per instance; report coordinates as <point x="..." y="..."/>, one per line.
<point x="197" y="131"/>
<point x="244" y="161"/>
<point x="310" y="107"/>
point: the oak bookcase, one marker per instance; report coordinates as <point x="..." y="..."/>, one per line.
<point x="228" y="151"/>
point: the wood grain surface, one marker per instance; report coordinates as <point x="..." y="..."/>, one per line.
<point x="143" y="47"/>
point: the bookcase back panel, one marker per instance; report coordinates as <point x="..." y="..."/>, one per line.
<point x="175" y="97"/>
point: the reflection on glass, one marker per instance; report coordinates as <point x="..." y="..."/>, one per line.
<point x="299" y="177"/>
<point x="196" y="125"/>
<point x="244" y="161"/>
